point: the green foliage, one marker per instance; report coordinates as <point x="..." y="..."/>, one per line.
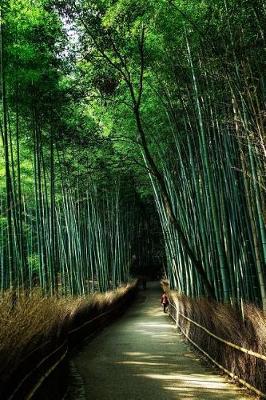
<point x="81" y="78"/>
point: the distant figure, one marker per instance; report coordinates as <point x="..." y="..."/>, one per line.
<point x="164" y="301"/>
<point x="144" y="283"/>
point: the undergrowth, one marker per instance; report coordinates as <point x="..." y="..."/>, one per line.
<point x="245" y="328"/>
<point x="35" y="320"/>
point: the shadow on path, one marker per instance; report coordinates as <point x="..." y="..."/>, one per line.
<point x="142" y="356"/>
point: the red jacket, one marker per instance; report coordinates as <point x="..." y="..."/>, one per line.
<point x="164" y="299"/>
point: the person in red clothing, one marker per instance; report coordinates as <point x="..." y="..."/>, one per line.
<point x="164" y="301"/>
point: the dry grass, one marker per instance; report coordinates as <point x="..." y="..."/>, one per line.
<point x="35" y="320"/>
<point x="227" y="323"/>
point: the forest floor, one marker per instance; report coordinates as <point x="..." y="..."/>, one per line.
<point x="142" y="356"/>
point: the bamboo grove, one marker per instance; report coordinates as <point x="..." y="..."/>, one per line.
<point x="191" y="81"/>
<point x="165" y="97"/>
<point x="218" y="194"/>
<point x="55" y="234"/>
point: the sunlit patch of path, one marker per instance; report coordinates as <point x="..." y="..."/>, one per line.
<point x="142" y="356"/>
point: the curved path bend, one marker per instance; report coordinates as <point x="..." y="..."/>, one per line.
<point x="142" y="357"/>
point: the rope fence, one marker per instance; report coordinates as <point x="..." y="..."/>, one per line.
<point x="35" y="377"/>
<point x="48" y="372"/>
<point x="239" y="348"/>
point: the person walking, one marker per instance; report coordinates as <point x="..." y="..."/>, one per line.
<point x="164" y="301"/>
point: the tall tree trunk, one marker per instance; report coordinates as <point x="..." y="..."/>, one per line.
<point x="168" y="206"/>
<point x="9" y="201"/>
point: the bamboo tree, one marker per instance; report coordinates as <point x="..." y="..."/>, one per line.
<point x="9" y="201"/>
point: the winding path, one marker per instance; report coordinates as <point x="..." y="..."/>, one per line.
<point x="141" y="357"/>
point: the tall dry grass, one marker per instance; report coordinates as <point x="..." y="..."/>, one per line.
<point x="36" y="320"/>
<point x="228" y="323"/>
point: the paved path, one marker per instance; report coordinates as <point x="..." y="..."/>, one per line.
<point x="142" y="357"/>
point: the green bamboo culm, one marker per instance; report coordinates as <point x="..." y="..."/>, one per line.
<point x="217" y="193"/>
<point x="164" y="102"/>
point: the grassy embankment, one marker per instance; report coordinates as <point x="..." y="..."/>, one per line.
<point x="246" y="329"/>
<point x="36" y="320"/>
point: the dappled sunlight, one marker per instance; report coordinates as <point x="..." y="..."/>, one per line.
<point x="152" y="325"/>
<point x="171" y="376"/>
<point x="154" y="314"/>
<point x="174" y="381"/>
<point x="146" y="326"/>
<point x="142" y="363"/>
<point x="175" y="375"/>
<point x="210" y="381"/>
<point x="143" y="357"/>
